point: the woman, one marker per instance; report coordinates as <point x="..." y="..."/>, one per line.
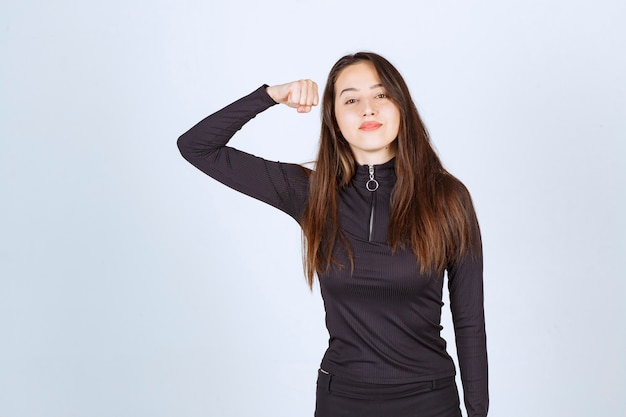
<point x="382" y="221"/>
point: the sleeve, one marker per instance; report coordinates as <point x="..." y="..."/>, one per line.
<point x="282" y="185"/>
<point x="465" y="283"/>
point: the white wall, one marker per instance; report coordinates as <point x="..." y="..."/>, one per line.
<point x="133" y="285"/>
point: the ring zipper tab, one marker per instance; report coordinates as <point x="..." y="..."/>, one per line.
<point x="371" y="184"/>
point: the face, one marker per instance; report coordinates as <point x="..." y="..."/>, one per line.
<point x="367" y="118"/>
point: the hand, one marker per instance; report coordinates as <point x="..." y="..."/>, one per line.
<point x="301" y="95"/>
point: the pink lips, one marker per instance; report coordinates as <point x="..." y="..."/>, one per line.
<point x="370" y="125"/>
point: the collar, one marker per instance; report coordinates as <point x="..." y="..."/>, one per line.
<point x="386" y="170"/>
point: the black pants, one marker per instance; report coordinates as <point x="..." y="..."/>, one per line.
<point x="342" y="398"/>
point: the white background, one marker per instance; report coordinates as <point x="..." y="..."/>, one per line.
<point x="133" y="285"/>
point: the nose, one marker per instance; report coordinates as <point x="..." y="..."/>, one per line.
<point x="368" y="108"/>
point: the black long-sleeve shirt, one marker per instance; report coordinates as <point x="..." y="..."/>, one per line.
<point x="383" y="316"/>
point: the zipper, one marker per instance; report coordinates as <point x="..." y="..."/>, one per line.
<point x="372" y="186"/>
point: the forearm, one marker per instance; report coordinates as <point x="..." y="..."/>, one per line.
<point x="211" y="134"/>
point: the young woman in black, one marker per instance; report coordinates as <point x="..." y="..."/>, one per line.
<point x="382" y="221"/>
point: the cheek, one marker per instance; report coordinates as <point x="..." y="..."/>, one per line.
<point x="394" y="117"/>
<point x="397" y="126"/>
<point x="344" y="119"/>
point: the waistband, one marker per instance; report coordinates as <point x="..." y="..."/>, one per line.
<point x="366" y="390"/>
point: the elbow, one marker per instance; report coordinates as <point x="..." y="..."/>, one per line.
<point x="183" y="146"/>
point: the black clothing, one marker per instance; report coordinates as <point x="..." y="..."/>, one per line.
<point x="383" y="318"/>
<point x="336" y="397"/>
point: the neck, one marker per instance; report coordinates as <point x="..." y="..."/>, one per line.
<point x="373" y="159"/>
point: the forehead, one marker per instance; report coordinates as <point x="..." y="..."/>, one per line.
<point x="360" y="75"/>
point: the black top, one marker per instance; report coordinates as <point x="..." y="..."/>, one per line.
<point x="383" y="317"/>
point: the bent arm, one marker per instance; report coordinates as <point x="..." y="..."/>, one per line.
<point x="281" y="185"/>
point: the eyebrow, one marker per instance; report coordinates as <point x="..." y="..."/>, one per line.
<point x="356" y="89"/>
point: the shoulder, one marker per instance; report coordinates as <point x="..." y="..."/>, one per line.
<point x="297" y="171"/>
<point x="297" y="176"/>
<point x="453" y="190"/>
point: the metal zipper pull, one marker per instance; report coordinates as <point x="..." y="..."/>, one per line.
<point x="371" y="184"/>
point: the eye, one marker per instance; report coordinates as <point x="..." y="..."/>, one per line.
<point x="350" y="101"/>
<point x="381" y="95"/>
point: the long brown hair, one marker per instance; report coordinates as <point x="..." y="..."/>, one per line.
<point x="431" y="211"/>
